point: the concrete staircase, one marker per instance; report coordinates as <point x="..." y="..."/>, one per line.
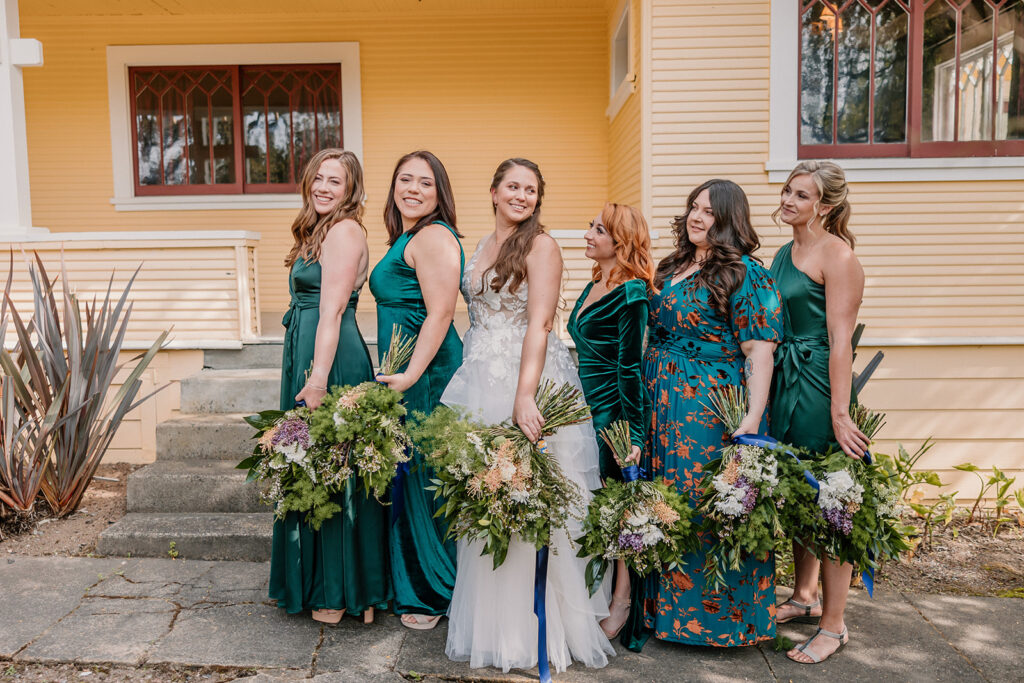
<point x="192" y="495"/>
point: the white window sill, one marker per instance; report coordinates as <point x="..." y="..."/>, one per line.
<point x="906" y="170"/>
<point x="626" y="88"/>
<point x="207" y="202"/>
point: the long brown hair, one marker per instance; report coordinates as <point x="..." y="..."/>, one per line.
<point x="309" y="228"/>
<point x="444" y="212"/>
<point x="729" y="239"/>
<point x="830" y="180"/>
<point x="510" y="266"/>
<point x="632" y="239"/>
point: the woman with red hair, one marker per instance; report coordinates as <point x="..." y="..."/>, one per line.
<point x="608" y="324"/>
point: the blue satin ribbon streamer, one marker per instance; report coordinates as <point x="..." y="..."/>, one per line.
<point x="762" y="441"/>
<point x="868" y="577"/>
<point x="540" y="584"/>
<point x="633" y="473"/>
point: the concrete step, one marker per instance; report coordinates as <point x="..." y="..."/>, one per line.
<point x="260" y="355"/>
<point x="231" y="391"/>
<point x="192" y="486"/>
<point x="196" y="536"/>
<point x="215" y="436"/>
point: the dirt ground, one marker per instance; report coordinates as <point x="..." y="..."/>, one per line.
<point x="76" y="535"/>
<point x="963" y="559"/>
<point x="72" y="673"/>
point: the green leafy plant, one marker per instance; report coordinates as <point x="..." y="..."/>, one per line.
<point x="908" y="474"/>
<point x="72" y="363"/>
<point x="997" y="479"/>
<point x="172" y="550"/>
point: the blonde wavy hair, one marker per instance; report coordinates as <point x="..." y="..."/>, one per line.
<point x="830" y="180"/>
<point x="310" y="228"/>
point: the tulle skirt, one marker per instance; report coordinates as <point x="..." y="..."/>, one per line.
<point x="491" y="620"/>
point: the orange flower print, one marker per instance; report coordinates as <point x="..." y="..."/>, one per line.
<point x="764" y="583"/>
<point x="711" y="607"/>
<point x="682" y="581"/>
<point x="694" y="626"/>
<point x="742" y="322"/>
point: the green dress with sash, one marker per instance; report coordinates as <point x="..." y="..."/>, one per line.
<point x="344" y="565"/>
<point x="422" y="561"/>
<point x="801" y="394"/>
<point x="609" y="337"/>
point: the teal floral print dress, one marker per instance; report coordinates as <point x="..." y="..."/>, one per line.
<point x="692" y="349"/>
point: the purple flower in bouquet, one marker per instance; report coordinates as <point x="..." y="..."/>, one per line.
<point x="292" y="431"/>
<point x="628" y="541"/>
<point x="750" y="499"/>
<point x="840" y="519"/>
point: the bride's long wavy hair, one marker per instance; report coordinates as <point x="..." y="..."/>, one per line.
<point x="510" y="266"/>
<point x="729" y="239"/>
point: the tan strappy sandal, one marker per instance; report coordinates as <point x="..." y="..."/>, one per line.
<point x="843" y="639"/>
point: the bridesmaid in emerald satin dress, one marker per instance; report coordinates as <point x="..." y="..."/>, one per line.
<point x="714" y="322"/>
<point x="608" y="324"/>
<point x="822" y="284"/>
<point x="343" y="566"/>
<point x="416" y="285"/>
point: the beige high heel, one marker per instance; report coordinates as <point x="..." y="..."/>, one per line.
<point x="328" y="616"/>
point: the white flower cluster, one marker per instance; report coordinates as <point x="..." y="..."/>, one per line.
<point x="759" y="466"/>
<point x="730" y="498"/>
<point x="293" y="452"/>
<point x="838" y="489"/>
<point x="643" y="521"/>
<point x="887" y="496"/>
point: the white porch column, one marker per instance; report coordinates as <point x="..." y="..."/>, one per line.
<point x="15" y="53"/>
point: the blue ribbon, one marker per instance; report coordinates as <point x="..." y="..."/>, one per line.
<point x="540" y="583"/>
<point x="633" y="473"/>
<point x="762" y="441"/>
<point x="868" y="577"/>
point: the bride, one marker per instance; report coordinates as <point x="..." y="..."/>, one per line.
<point x="512" y="285"/>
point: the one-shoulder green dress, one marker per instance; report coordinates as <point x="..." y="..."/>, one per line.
<point x="609" y="337"/>
<point x="422" y="562"/>
<point x="344" y="565"/>
<point x="801" y="394"/>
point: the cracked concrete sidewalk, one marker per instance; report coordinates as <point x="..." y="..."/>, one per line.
<point x="192" y="613"/>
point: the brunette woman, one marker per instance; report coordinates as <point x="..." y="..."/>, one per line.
<point x="715" y="321"/>
<point x="608" y="325"/>
<point x="511" y="286"/>
<point x="822" y="284"/>
<point x="343" y="566"/>
<point x="416" y="285"/>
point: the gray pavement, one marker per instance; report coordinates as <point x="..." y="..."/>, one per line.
<point x="195" y="613"/>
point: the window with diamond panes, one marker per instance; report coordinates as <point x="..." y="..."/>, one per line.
<point x="231" y="129"/>
<point x="911" y="78"/>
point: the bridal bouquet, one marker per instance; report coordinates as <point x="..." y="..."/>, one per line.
<point x="740" y="492"/>
<point x="305" y="456"/>
<point x="495" y="482"/>
<point x="856" y="518"/>
<point x="645" y="523"/>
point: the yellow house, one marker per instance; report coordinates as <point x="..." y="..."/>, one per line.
<point x="634" y="101"/>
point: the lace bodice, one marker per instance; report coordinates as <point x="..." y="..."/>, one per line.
<point x="490" y="309"/>
<point x="497" y="326"/>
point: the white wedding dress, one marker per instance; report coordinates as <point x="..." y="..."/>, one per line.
<point x="491" y="620"/>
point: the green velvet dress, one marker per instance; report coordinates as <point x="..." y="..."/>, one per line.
<point x="422" y="562"/>
<point x="801" y="394"/>
<point x="609" y="337"/>
<point x="344" y="565"/>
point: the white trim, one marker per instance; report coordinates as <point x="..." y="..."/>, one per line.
<point x="646" y="111"/>
<point x="907" y="169"/>
<point x="208" y="202"/>
<point x="882" y="342"/>
<point x="188" y="236"/>
<point x="619" y="92"/>
<point x="783" y="117"/>
<point x="120" y="57"/>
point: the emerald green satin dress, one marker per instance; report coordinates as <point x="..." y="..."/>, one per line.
<point x="344" y="565"/>
<point x="422" y="562"/>
<point x="801" y="395"/>
<point x="609" y="337"/>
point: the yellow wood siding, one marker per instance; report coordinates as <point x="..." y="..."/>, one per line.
<point x="473" y="86"/>
<point x="942" y="259"/>
<point x="624" y="182"/>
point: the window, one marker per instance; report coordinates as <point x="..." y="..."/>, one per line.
<point x="230" y="129"/>
<point x="622" y="79"/>
<point x="911" y="78"/>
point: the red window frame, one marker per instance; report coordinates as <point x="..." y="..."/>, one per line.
<point x="914" y="146"/>
<point x="240" y="186"/>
